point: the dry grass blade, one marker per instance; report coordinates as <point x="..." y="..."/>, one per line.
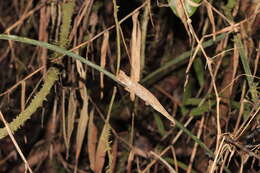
<point x="52" y="122"/>
<point x="135" y="52"/>
<point x="104" y="49"/>
<point x="168" y="166"/>
<point x="227" y="84"/>
<point x="211" y="19"/>
<point x="92" y="140"/>
<point x="63" y="115"/>
<point x="130" y="160"/>
<point x="82" y="73"/>
<point x="23" y="17"/>
<point x="181" y="11"/>
<point x="102" y="148"/>
<point x="45" y="15"/>
<point x="104" y="144"/>
<point x="23" y="89"/>
<point x="114" y="155"/>
<point x="72" y="107"/>
<point x="82" y="126"/>
<point x="195" y="148"/>
<point x="84" y="116"/>
<point x="15" y="143"/>
<point x="144" y="94"/>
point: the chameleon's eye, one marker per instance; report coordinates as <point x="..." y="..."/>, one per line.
<point x="190" y="6"/>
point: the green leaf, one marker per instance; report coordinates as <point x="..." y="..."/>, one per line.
<point x="200" y="110"/>
<point x="199" y="70"/>
<point x="159" y="124"/>
<point x="190" y="5"/>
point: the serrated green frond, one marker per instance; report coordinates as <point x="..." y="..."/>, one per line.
<point x="37" y="101"/>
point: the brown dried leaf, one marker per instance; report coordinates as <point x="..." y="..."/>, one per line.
<point x="102" y="148"/>
<point x="135" y="52"/>
<point x="52" y="124"/>
<point x="72" y="107"/>
<point x="23" y="88"/>
<point x="64" y="123"/>
<point x="92" y="141"/>
<point x="181" y="11"/>
<point x="80" y="69"/>
<point x="144" y="94"/>
<point x="130" y="160"/>
<point x="83" y="121"/>
<point x="45" y="16"/>
<point x="114" y="155"/>
<point x="235" y="64"/>
<point x="104" y="49"/>
<point x="83" y="74"/>
<point x="211" y="19"/>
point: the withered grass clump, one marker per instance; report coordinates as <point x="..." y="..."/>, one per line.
<point x="137" y="87"/>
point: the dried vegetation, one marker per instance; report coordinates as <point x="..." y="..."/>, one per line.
<point x="127" y="86"/>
